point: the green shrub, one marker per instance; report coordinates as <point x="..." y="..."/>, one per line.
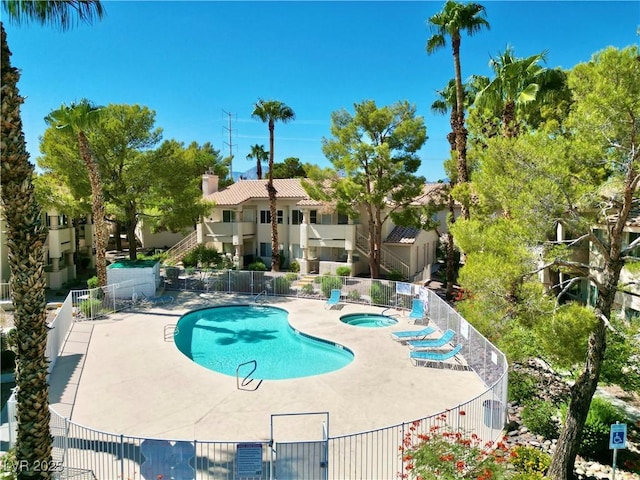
<point x="292" y="277"/>
<point x="528" y="476"/>
<point x="380" y="293"/>
<point x="395" y="276"/>
<point x="522" y="386"/>
<point x="156" y="257"/>
<point x="257" y="266"/>
<point x="353" y="295"/>
<point x="329" y="283"/>
<point x="203" y="256"/>
<point x="530" y="460"/>
<point x="343" y="271"/>
<point x="538" y="416"/>
<point x="307" y="289"/>
<point x="90" y="307"/>
<point x="281" y="285"/>
<point x="595" y="435"/>
<point x="92" y="282"/>
<point x="294" y="266"/>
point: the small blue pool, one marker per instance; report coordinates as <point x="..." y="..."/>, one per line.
<point x="222" y="338"/>
<point x="369" y="320"/>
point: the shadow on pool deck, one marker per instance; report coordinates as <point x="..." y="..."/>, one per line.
<point x="122" y="377"/>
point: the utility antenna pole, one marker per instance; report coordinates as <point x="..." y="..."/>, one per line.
<point x="230" y="142"/>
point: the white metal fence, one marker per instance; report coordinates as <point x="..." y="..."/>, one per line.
<point x="93" y="454"/>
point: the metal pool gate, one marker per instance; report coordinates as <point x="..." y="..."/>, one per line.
<point x="305" y="458"/>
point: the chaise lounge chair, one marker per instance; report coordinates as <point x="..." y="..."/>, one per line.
<point x="161" y="300"/>
<point x="334" y="298"/>
<point x="417" y="310"/>
<point x="437" y="359"/>
<point x="431" y="343"/>
<point x="408" y="335"/>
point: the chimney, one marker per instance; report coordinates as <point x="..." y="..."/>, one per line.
<point x="209" y="183"/>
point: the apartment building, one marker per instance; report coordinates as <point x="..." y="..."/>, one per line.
<point x="310" y="232"/>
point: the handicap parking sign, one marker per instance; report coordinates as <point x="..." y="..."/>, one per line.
<point x="618" y="436"/>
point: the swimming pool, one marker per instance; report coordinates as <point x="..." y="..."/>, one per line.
<point x="222" y="338"/>
<point x="370" y="320"/>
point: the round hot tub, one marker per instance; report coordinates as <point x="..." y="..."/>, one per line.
<point x="368" y="320"/>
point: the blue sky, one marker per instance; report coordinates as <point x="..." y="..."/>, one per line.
<point x="193" y="61"/>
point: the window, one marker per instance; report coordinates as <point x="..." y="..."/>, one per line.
<point x="265" y="216"/>
<point x="313" y="216"/>
<point x="265" y="249"/>
<point x="326" y="219"/>
<point x="296" y="251"/>
<point x="228" y="216"/>
<point x="279" y="216"/>
<point x="636" y="251"/>
<point x="343" y="219"/>
<point x="296" y="217"/>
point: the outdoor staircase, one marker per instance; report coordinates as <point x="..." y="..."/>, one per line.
<point x="388" y="261"/>
<point x="182" y="248"/>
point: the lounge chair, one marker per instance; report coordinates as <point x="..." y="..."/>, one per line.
<point x="160" y="300"/>
<point x="430" y="358"/>
<point x="407" y="335"/>
<point x="431" y="343"/>
<point x="417" y="310"/>
<point x="334" y="298"/>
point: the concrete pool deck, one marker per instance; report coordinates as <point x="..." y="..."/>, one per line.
<point x="119" y="375"/>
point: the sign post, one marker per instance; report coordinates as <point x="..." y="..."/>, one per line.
<point x="617" y="440"/>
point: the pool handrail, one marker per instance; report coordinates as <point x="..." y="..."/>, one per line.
<point x="247" y="379"/>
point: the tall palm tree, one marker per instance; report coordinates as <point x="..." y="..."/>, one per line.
<point x="454" y="18"/>
<point x="517" y="82"/>
<point x="259" y="154"/>
<point x="25" y="240"/>
<point x="270" y="112"/>
<point x="77" y="119"/>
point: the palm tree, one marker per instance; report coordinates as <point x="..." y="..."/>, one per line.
<point x="25" y="239"/>
<point x="454" y="18"/>
<point x="259" y="154"/>
<point x="270" y="112"/>
<point x="517" y="82"/>
<point x="77" y="119"/>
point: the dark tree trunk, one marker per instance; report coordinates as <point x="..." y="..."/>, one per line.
<point x="563" y="460"/>
<point x="118" y="236"/>
<point x="451" y="251"/>
<point x="509" y="124"/>
<point x="97" y="208"/>
<point x="459" y="128"/>
<point x="25" y="240"/>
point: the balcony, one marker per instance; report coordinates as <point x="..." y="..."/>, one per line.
<point x="60" y="241"/>
<point x="228" y="232"/>
<point x="340" y="236"/>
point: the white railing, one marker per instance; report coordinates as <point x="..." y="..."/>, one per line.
<point x="183" y="247"/>
<point x="387" y="259"/>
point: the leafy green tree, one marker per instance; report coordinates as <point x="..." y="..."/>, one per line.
<point x="75" y="120"/>
<point x="270" y="112"/>
<point x="289" y="168"/>
<point x="374" y="160"/>
<point x="259" y="154"/>
<point x="25" y="235"/>
<point x="454" y="18"/>
<point x="160" y="186"/>
<point x="580" y="174"/>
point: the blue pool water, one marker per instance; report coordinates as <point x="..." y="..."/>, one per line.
<point x="221" y="338"/>
<point x="369" y="320"/>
